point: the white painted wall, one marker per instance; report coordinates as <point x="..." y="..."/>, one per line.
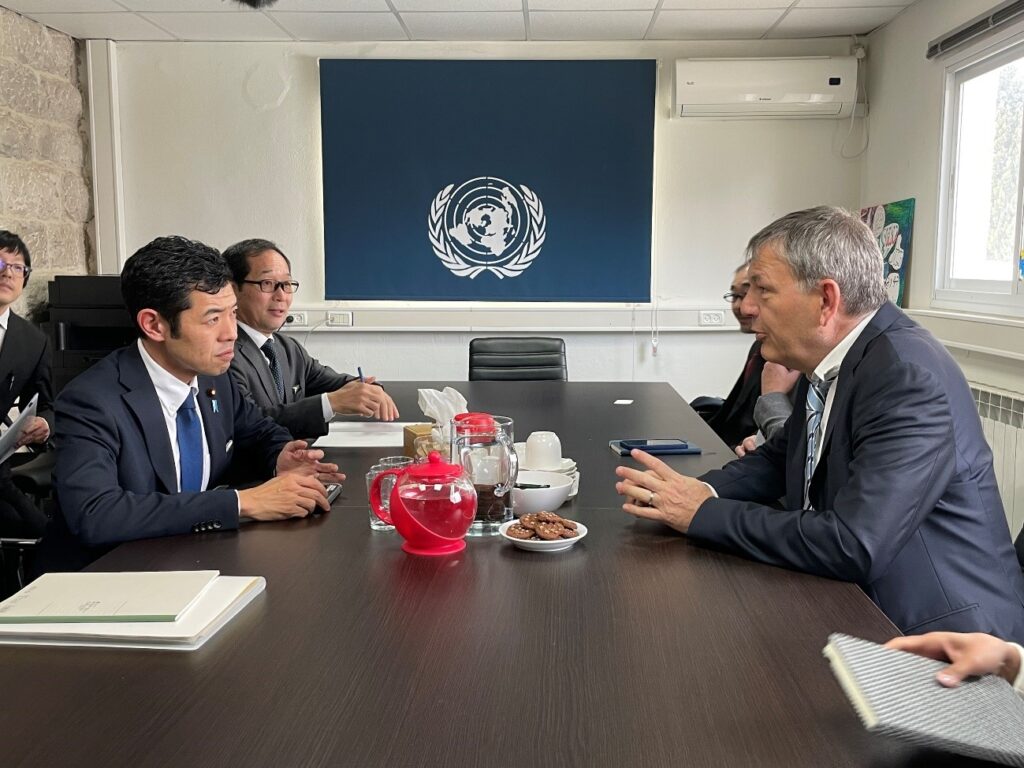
<point x="222" y="141"/>
<point x="903" y="160"/>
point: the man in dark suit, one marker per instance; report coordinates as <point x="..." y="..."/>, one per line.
<point x="146" y="435"/>
<point x="760" y="398"/>
<point x="24" y="373"/>
<point x="274" y="370"/>
<point x="884" y="472"/>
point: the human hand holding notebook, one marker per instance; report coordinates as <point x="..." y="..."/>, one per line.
<point x="897" y="694"/>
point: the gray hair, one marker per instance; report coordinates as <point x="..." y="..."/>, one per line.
<point x="828" y="243"/>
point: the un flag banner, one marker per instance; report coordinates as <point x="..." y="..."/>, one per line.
<point x="488" y="180"/>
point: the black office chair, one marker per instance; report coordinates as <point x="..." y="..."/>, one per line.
<point x="707" y="406"/>
<point x="517" y="358"/>
<point x="14" y="563"/>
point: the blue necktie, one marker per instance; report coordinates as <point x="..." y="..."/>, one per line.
<point x="817" y="393"/>
<point x="275" y="367"/>
<point x="190" y="445"/>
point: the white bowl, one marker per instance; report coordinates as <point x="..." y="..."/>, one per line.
<point x="535" y="545"/>
<point x="525" y="500"/>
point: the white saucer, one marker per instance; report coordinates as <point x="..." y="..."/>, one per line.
<point x="533" y="545"/>
<point x="567" y="467"/>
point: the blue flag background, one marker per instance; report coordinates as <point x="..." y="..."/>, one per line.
<point x="578" y="135"/>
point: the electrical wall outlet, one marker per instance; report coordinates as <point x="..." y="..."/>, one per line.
<point x="298" y="320"/>
<point x="711" y="317"/>
<point x="339" y="318"/>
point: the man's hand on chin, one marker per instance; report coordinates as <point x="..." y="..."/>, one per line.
<point x="660" y="493"/>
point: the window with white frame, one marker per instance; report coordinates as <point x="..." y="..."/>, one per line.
<point x="982" y="191"/>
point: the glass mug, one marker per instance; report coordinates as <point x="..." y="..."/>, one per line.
<point x="483" y="445"/>
<point x="383" y="465"/>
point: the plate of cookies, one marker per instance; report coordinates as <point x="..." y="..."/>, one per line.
<point x="543" y="532"/>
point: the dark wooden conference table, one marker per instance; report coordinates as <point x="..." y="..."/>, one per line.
<point x="634" y="648"/>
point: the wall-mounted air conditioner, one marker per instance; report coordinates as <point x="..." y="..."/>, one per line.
<point x="819" y="86"/>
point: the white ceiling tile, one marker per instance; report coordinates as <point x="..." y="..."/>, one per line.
<point x="341" y="26"/>
<point x="218" y="26"/>
<point x="330" y="6"/>
<point x="831" y="22"/>
<point x="499" y="25"/>
<point x="848" y="3"/>
<point x="595" y="25"/>
<point x="721" y="5"/>
<point x="592" y="5"/>
<point x="102" y="26"/>
<point x="61" y="6"/>
<point x="712" y="25"/>
<point x="445" y="6"/>
<point x="186" y="6"/>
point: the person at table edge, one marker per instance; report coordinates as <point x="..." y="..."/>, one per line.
<point x="302" y="395"/>
<point x="146" y="435"/>
<point x="897" y="492"/>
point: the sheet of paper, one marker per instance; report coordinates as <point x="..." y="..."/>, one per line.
<point x="9" y="439"/>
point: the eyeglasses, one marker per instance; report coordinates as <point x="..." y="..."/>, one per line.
<point x="16" y="269"/>
<point x="732" y="296"/>
<point x="269" y="286"/>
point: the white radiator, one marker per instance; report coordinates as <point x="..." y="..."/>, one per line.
<point x="1002" y="414"/>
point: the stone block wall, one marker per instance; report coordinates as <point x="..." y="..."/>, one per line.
<point x="45" y="185"/>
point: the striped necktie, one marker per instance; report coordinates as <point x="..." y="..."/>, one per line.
<point x="817" y="394"/>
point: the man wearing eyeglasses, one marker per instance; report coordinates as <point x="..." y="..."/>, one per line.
<point x="24" y="373"/>
<point x="275" y="370"/>
<point x="760" y="398"/>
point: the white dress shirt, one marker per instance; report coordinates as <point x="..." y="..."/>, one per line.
<point x="172" y="393"/>
<point x="4" y="318"/>
<point x="259" y="340"/>
<point x="1018" y="683"/>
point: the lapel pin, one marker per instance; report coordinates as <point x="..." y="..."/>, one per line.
<point x="212" y="394"/>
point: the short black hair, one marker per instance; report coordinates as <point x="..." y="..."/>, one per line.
<point x="11" y="242"/>
<point x="237" y="256"/>
<point x="162" y="274"/>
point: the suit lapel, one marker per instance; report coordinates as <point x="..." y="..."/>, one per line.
<point x="255" y="358"/>
<point x="142" y="400"/>
<point x="887" y="314"/>
<point x="9" y="364"/>
<point x="213" y="424"/>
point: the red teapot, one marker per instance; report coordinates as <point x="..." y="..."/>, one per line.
<point x="432" y="506"/>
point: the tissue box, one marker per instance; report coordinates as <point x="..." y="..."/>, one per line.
<point x="410" y="433"/>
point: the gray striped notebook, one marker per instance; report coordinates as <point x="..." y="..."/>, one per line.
<point x="896" y="694"/>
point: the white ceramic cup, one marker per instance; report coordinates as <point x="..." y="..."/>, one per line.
<point x="544" y="451"/>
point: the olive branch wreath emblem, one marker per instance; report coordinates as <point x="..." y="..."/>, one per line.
<point x="513" y="268"/>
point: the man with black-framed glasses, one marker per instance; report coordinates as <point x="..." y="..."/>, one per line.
<point x="24" y="372"/>
<point x="759" y="401"/>
<point x="274" y="370"/>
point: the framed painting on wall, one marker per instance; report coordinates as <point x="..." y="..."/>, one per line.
<point x="893" y="225"/>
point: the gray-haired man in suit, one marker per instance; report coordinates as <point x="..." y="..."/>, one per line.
<point x="274" y="370"/>
<point x="885" y="475"/>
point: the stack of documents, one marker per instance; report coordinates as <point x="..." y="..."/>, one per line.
<point x="174" y="610"/>
<point x="896" y="694"/>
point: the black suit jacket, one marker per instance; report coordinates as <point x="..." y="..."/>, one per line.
<point x="734" y="421"/>
<point x="305" y="380"/>
<point x="904" y="495"/>
<point x="25" y="360"/>
<point x="115" y="474"/>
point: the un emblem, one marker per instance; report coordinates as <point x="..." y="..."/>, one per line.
<point x="486" y="225"/>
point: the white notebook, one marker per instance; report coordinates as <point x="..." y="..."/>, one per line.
<point x="896" y="694"/>
<point x="226" y="596"/>
<point x="94" y="597"/>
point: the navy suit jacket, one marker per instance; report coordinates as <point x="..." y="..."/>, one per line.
<point x="115" y="476"/>
<point x="904" y="495"/>
<point x="305" y="380"/>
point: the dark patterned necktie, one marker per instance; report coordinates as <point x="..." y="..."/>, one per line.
<point x="275" y="367"/>
<point x="817" y="394"/>
<point x="190" y="446"/>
